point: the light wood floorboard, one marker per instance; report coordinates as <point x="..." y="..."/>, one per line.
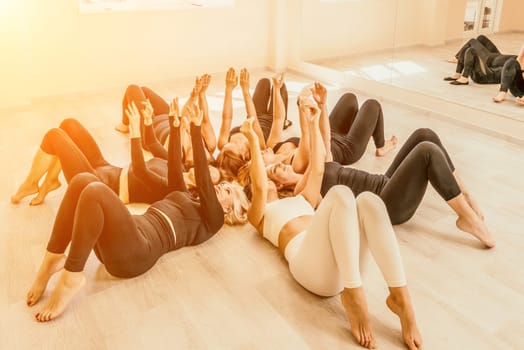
<point x="235" y="291"/>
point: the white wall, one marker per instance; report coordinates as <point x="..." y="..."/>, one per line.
<point x="49" y="49"/>
<point x="512" y="16"/>
<point x="336" y="29"/>
<point x="376" y="25"/>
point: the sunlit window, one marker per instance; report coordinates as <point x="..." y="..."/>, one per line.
<point x="98" y="6"/>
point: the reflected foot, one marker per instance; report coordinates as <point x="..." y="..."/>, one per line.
<point x="500" y="97"/>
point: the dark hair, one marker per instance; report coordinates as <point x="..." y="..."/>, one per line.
<point x="229" y="164"/>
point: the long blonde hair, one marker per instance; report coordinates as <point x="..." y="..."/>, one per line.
<point x="238" y="213"/>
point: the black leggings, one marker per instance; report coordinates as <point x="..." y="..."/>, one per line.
<point x="91" y="216"/>
<point x="512" y="79"/>
<point x="263" y="101"/>
<point x="152" y="142"/>
<point x="481" y="59"/>
<point x="352" y="127"/>
<point x="78" y="152"/>
<point x="421" y="159"/>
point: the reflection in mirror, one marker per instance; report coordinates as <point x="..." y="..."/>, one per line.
<point x="411" y="44"/>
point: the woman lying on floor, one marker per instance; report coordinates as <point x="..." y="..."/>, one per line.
<point x="512" y="79"/>
<point x="421" y="160"/>
<point x="72" y="149"/>
<point x="157" y="108"/>
<point x="326" y="248"/>
<point x="351" y="127"/>
<point x="480" y="59"/>
<point x="92" y="217"/>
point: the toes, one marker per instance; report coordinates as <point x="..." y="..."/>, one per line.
<point x="35" y="201"/>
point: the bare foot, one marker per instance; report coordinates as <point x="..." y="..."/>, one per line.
<point x="452" y="60"/>
<point x="44" y="190"/>
<point x="500" y="97"/>
<point x="68" y="286"/>
<point x="462" y="80"/>
<point x="473" y="204"/>
<point x="476" y="227"/>
<point x="519" y="100"/>
<point x="123" y="128"/>
<point x="24" y="190"/>
<point x="410" y="332"/>
<point x="388" y="146"/>
<point x="357" y="311"/>
<point x="51" y="264"/>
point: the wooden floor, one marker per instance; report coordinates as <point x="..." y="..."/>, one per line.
<point x="235" y="291"/>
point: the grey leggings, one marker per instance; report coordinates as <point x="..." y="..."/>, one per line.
<point x="480" y="59"/>
<point x="512" y="78"/>
<point x="351" y="128"/>
<point x="421" y="159"/>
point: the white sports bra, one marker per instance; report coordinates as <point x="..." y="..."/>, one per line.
<point x="278" y="213"/>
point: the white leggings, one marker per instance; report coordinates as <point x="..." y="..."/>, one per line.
<point x="328" y="256"/>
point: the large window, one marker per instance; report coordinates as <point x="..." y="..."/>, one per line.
<point x="480" y="16"/>
<point x="98" y="6"/>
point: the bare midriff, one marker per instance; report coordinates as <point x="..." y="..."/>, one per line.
<point x="291" y="229"/>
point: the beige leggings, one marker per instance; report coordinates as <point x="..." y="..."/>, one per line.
<point x="330" y="254"/>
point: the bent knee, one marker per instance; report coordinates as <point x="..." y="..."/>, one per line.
<point x="348" y="97"/>
<point x="94" y="189"/>
<point x="68" y="123"/>
<point x="426" y="134"/>
<point x="263" y="82"/>
<point x="426" y="147"/>
<point x="368" y="201"/>
<point x="371" y="103"/>
<point x="341" y="195"/>
<point x="82" y="180"/>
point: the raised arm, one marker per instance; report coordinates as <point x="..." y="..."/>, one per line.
<point x="227" y="111"/>
<point x="320" y="95"/>
<point x="174" y="162"/>
<point x="208" y="133"/>
<point x="309" y="185"/>
<point x="250" y="106"/>
<point x="301" y="158"/>
<point x="150" y="141"/>
<point x="257" y="173"/>
<point x="137" y="156"/>
<point x="279" y="112"/>
<point x="210" y="209"/>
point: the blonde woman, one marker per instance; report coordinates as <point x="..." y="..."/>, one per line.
<point x="326" y="243"/>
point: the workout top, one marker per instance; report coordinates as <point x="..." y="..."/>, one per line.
<point x="194" y="220"/>
<point x="278" y="213"/>
<point x="265" y="121"/>
<point x="294" y="140"/>
<point x="358" y="180"/>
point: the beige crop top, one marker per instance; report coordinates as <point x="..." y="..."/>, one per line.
<point x="278" y="213"/>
